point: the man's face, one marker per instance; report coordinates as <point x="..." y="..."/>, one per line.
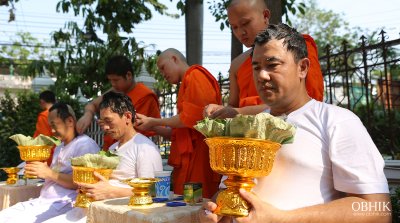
<point x="42" y="104"/>
<point x="60" y="128"/>
<point x="246" y="22"/>
<point x="167" y="65"/>
<point x="112" y="124"/>
<point x="276" y="74"/>
<point x="119" y="83"/>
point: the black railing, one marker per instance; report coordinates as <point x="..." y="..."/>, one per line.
<point x="363" y="78"/>
<point x="366" y="79"/>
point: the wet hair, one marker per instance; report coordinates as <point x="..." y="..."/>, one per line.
<point x="64" y="111"/>
<point x="293" y="40"/>
<point x="48" y="96"/>
<point x="118" y="103"/>
<point x="119" y="65"/>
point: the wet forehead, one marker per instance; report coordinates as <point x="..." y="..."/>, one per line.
<point x="271" y="51"/>
<point x="106" y="113"/>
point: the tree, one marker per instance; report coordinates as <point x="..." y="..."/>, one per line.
<point x="326" y="27"/>
<point x="81" y="63"/>
<point x="21" y="55"/>
<point x="193" y="10"/>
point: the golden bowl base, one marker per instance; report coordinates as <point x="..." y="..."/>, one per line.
<point x="140" y="190"/>
<point x="12" y="179"/>
<point x="82" y="201"/>
<point x="11" y="174"/>
<point x="140" y="200"/>
<point x="229" y="201"/>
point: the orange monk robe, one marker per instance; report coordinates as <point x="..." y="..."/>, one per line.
<point x="189" y="153"/>
<point x="43" y="127"/>
<point x="248" y="95"/>
<point x="145" y="102"/>
<point x="42" y="124"/>
<point x="314" y="80"/>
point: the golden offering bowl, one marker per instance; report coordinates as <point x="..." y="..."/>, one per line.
<point x="11" y="174"/>
<point x="86" y="175"/>
<point x="141" y="187"/>
<point x="34" y="153"/>
<point x="241" y="159"/>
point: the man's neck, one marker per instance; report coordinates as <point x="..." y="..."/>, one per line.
<point x="296" y="104"/>
<point x="185" y="67"/>
<point x="47" y="106"/>
<point x="127" y="136"/>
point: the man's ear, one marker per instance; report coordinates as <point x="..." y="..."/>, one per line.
<point x="128" y="116"/>
<point x="303" y="65"/>
<point x="267" y="16"/>
<point x="129" y="76"/>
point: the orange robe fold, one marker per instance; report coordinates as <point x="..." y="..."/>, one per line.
<point x="248" y="94"/>
<point x="43" y="127"/>
<point x="145" y="102"/>
<point x="189" y="153"/>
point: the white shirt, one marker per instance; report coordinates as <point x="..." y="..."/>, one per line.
<point x="79" y="146"/>
<point x="139" y="157"/>
<point x="332" y="153"/>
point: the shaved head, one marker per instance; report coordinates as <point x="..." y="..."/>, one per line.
<point x="173" y="52"/>
<point x="255" y="4"/>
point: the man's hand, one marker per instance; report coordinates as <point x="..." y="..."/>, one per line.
<point x="144" y="123"/>
<point x="39" y="169"/>
<point x="84" y="123"/>
<point x="260" y="212"/>
<point x="206" y="214"/>
<point x="98" y="191"/>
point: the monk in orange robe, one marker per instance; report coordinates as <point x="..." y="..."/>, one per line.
<point x="247" y="18"/>
<point x="46" y="100"/>
<point x="120" y="73"/>
<point x="189" y="153"/>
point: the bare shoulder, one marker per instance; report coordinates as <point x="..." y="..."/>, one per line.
<point x="237" y="62"/>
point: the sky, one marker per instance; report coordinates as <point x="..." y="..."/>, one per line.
<point x="40" y="18"/>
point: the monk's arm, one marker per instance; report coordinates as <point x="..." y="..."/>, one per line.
<point x="173" y="122"/>
<point x="252" y="110"/>
<point x="233" y="88"/>
<point x="163" y="131"/>
<point x="92" y="107"/>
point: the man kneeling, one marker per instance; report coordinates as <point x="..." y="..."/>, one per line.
<point x="139" y="156"/>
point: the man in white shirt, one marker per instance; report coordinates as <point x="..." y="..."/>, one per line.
<point x="139" y="156"/>
<point x="59" y="191"/>
<point x="333" y="171"/>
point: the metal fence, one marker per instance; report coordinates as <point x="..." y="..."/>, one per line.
<point x="364" y="78"/>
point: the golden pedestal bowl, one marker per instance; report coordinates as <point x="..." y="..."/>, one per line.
<point x="34" y="153"/>
<point x="140" y="189"/>
<point x="241" y="159"/>
<point x="86" y="175"/>
<point x="11" y="174"/>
